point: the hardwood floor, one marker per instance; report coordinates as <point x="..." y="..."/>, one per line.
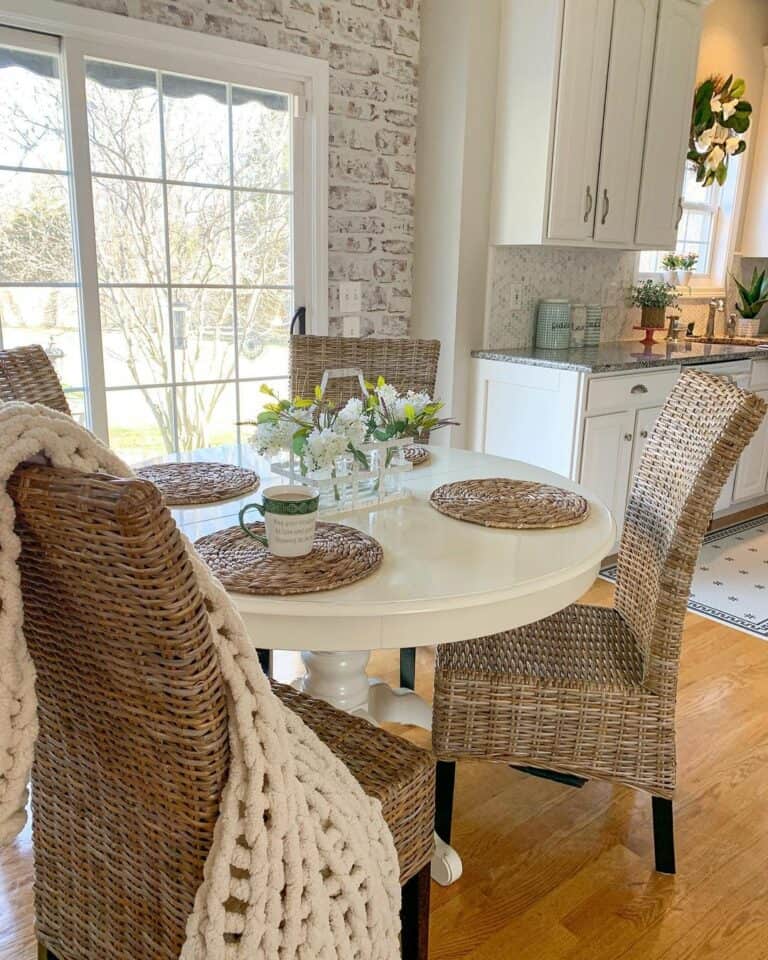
<point x="552" y="872"/>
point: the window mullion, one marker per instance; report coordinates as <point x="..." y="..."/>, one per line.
<point x="233" y="251"/>
<point x="167" y="237"/>
<point x="84" y="233"/>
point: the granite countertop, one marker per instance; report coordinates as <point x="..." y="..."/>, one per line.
<point x="625" y="355"/>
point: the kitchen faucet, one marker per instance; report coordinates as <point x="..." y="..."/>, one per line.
<point x="715" y="307"/>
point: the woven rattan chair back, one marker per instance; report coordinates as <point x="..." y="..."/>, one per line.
<point x="406" y="364"/>
<point x="697" y="438"/>
<point x="27" y="374"/>
<point x="132" y="752"/>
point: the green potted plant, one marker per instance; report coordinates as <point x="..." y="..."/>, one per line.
<point x="752" y="300"/>
<point x="653" y="297"/>
<point x="671" y="263"/>
<point x="686" y="263"/>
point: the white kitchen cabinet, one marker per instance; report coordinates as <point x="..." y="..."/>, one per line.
<point x="669" y="119"/>
<point x="592" y="428"/>
<point x="579" y="123"/>
<point x="626" y="110"/>
<point x="644" y="422"/>
<point x="606" y="459"/>
<point x="752" y="469"/>
<point x="577" y="147"/>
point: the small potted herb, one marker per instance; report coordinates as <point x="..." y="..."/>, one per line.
<point x="653" y="297"/>
<point x="671" y="263"/>
<point x="686" y="263"/>
<point x="752" y="300"/>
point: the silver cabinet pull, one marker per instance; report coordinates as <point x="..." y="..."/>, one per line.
<point x="679" y="212"/>
<point x="644" y="434"/>
<point x="628" y="437"/>
<point x="589" y="201"/>
<point x="606" y="206"/>
<point x="639" y="388"/>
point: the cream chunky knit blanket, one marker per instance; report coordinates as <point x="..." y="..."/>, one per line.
<point x="323" y="872"/>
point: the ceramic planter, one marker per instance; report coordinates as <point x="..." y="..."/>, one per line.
<point x="670" y="276"/>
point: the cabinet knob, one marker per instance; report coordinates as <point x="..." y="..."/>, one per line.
<point x="644" y="434"/>
<point x="639" y="388"/>
<point x="606" y="207"/>
<point x="588" y="201"/>
<point x="628" y="437"/>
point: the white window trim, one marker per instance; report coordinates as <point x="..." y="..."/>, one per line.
<point x="124" y="39"/>
<point x="713" y="284"/>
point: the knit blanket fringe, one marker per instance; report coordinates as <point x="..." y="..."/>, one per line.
<point x="323" y="876"/>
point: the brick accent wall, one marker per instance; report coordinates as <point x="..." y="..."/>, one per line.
<point x="372" y="47"/>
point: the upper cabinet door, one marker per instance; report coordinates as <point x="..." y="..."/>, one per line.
<point x="586" y="41"/>
<point x="626" y="112"/>
<point x="669" y="121"/>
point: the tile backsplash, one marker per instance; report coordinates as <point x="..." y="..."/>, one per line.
<point x="573" y="273"/>
<point x="521" y="276"/>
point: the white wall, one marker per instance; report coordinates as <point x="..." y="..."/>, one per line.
<point x="454" y="158"/>
<point x="733" y="36"/>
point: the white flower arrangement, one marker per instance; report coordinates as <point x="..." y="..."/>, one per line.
<point x="319" y="433"/>
<point x="720" y="119"/>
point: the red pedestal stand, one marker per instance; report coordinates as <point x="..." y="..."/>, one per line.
<point x="648" y="340"/>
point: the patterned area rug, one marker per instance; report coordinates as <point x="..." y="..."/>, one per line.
<point x="731" y="580"/>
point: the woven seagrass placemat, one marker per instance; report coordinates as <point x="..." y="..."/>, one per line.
<point x="512" y="504"/>
<point x="340" y="556"/>
<point x="417" y="455"/>
<point x="197" y="483"/>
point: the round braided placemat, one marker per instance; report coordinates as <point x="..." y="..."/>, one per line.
<point x="195" y="483"/>
<point x="340" y="556"/>
<point x="512" y="504"/>
<point x="416" y="455"/>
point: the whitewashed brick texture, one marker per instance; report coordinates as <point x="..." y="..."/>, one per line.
<point x="372" y="47"/>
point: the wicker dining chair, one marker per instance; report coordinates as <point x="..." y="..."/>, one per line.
<point x="132" y="752"/>
<point x="590" y="691"/>
<point x="27" y="374"/>
<point x="406" y="364"/>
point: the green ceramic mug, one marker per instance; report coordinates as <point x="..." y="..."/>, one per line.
<point x="290" y="516"/>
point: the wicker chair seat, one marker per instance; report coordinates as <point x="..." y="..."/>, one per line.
<point x="583" y="646"/>
<point x="388" y="768"/>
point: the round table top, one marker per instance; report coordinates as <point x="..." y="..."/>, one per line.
<point x="441" y="580"/>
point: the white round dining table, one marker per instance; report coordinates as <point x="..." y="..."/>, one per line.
<point x="441" y="581"/>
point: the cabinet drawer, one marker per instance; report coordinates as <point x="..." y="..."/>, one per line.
<point x="641" y="388"/>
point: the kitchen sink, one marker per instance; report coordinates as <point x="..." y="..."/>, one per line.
<point x="735" y="341"/>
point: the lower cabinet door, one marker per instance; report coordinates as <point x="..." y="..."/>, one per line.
<point x="644" y="422"/>
<point x="606" y="459"/>
<point x="752" y="468"/>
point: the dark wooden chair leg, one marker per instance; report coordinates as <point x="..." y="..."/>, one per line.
<point x="663" y="834"/>
<point x="265" y="659"/>
<point x="414" y="916"/>
<point x="408" y="668"/>
<point x="43" y="953"/>
<point x="445" y="781"/>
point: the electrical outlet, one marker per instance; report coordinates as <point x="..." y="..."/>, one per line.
<point x="516" y="295"/>
<point x="351" y="327"/>
<point x="350" y="298"/>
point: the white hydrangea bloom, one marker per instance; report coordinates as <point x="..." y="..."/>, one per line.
<point x="388" y="394"/>
<point x="323" y="447"/>
<point x="270" y="439"/>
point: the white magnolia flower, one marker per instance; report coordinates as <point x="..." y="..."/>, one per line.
<point x="416" y="400"/>
<point x="715" y="158"/>
<point x="705" y="140"/>
<point x="715" y="105"/>
<point x="729" y="108"/>
<point x="732" y="145"/>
